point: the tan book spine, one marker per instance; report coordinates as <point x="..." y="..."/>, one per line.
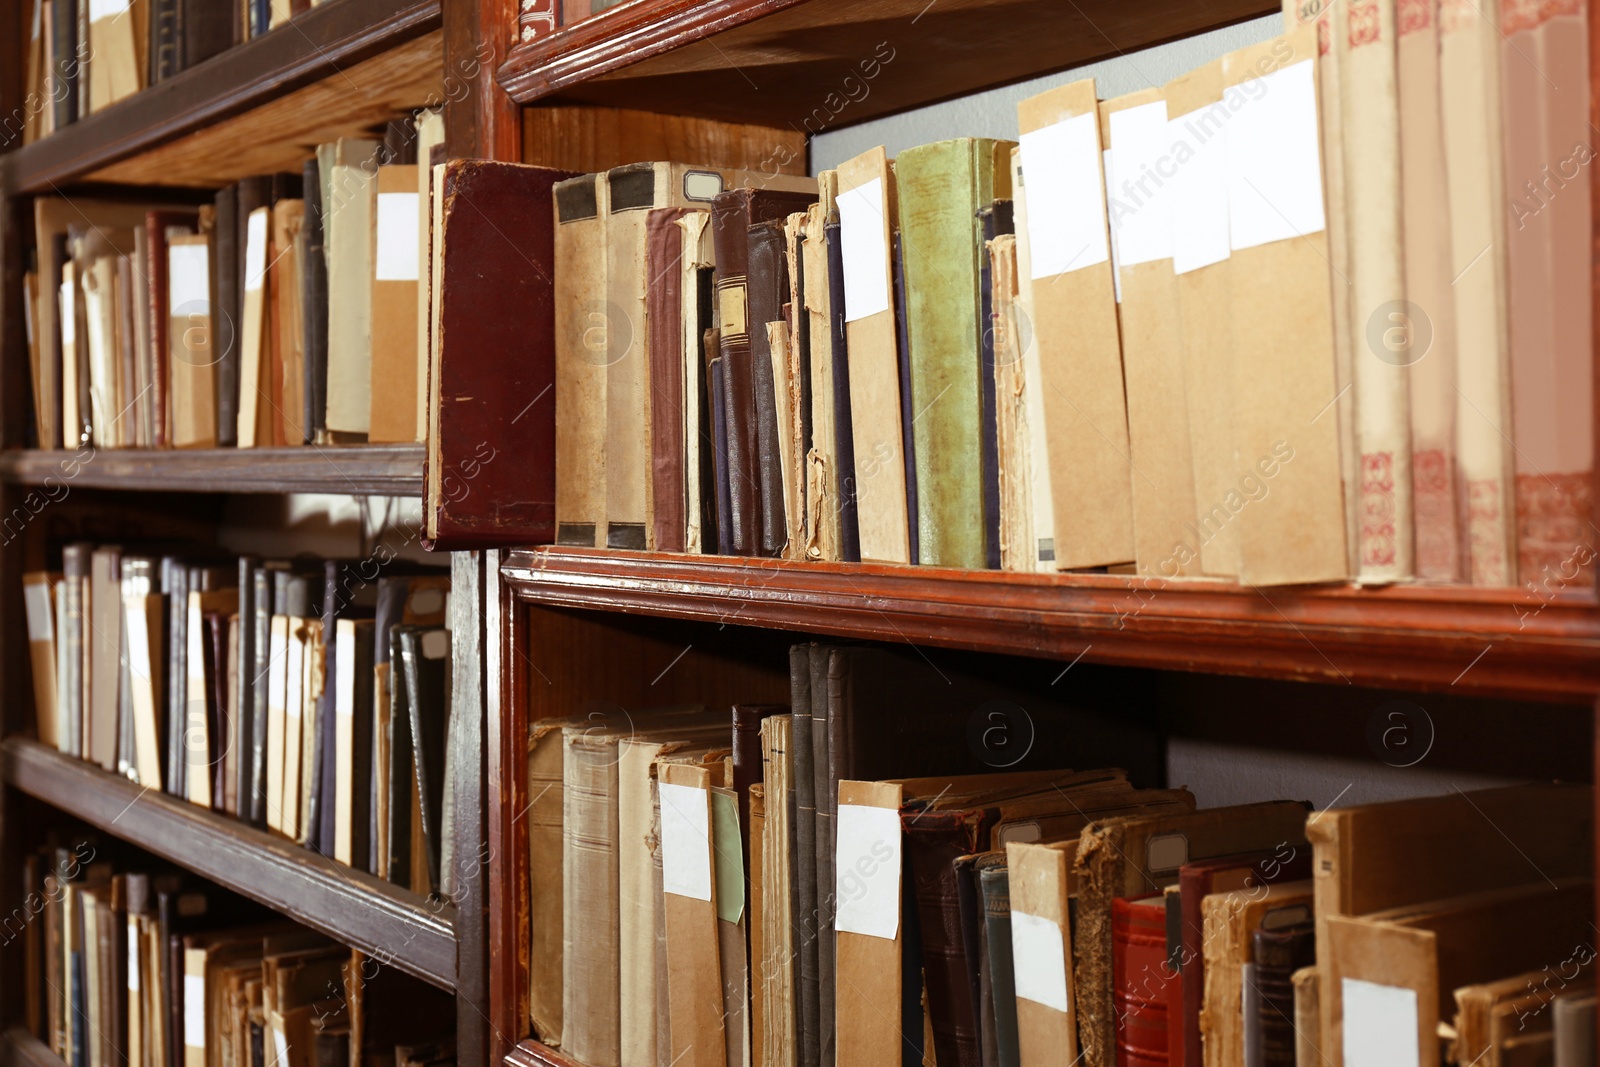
<point x="1012" y="439"/>
<point x="1432" y="354"/>
<point x="637" y="901"/>
<point x="288" y="319"/>
<point x="591" y="1027"/>
<point x="790" y="390"/>
<point x="397" y="270"/>
<point x="1075" y="330"/>
<point x="146" y="663"/>
<point x="72" y="349"/>
<point x="255" y="391"/>
<point x="103" y="647"/>
<point x="288" y="800"/>
<point x="698" y="255"/>
<point x="1040" y="550"/>
<point x="822" y="462"/>
<point x="191" y="365"/>
<point x="1041" y="892"/>
<point x="1380" y="320"/>
<point x="430" y="132"/>
<point x="545" y="792"/>
<point x="867" y="208"/>
<point x="350" y="216"/>
<point x="777" y="970"/>
<point x="311" y="730"/>
<point x="39" y="604"/>
<point x="694" y="974"/>
<point x="582" y="336"/>
<point x="196" y="1020"/>
<point x="758" y="922"/>
<point x="1307" y="1017"/>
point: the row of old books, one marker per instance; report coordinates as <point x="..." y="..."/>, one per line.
<point x="711" y="893"/>
<point x="152" y="968"/>
<point x="1189" y="330"/>
<point x="83" y="55"/>
<point x="289" y="311"/>
<point x="309" y="698"/>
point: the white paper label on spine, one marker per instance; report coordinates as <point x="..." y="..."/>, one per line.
<point x="134" y="966"/>
<point x="188" y="280"/>
<point x="1380" y="1025"/>
<point x="1274" y="161"/>
<point x="864" y="248"/>
<point x="36" y="597"/>
<point x="69" y="313"/>
<point x="107" y="9"/>
<point x="1139" y="195"/>
<point x="867" y="871"/>
<point x="1039" y="960"/>
<point x="399" y="222"/>
<point x="1200" y="235"/>
<point x="194" y="1010"/>
<point x="685" y="841"/>
<point x="1066" y="206"/>
<point x="255" y="251"/>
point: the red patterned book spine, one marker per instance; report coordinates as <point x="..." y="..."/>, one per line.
<point x="1140" y="980"/>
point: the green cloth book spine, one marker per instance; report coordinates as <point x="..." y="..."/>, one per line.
<point x="942" y="186"/>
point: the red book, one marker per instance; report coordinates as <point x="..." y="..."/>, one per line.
<point x="1140" y="980"/>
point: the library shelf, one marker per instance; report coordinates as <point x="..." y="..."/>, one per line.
<point x="391" y="924"/>
<point x="18" y="1048"/>
<point x="1490" y="642"/>
<point x="336" y="69"/>
<point x="355" y="470"/>
<point x="814" y="64"/>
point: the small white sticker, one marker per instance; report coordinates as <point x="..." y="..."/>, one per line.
<point x="1139" y="194"/>
<point x="255" y="251"/>
<point x="107" y="9"/>
<point x="281" y="1044"/>
<point x="1066" y="206"/>
<point x="134" y="966"/>
<point x="188" y="280"/>
<point x="435" y="644"/>
<point x="867" y="871"/>
<point x="194" y="1010"/>
<point x="1274" y="162"/>
<point x="69" y="313"/>
<point x="685" y="841"/>
<point x="1038" y="960"/>
<point x="136" y="629"/>
<point x="399" y="219"/>
<point x="863" y="237"/>
<point x="1380" y="1025"/>
<point x="1199" y="188"/>
<point x="41" y="622"/>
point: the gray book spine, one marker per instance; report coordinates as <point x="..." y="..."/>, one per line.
<point x="1573" y="1020"/>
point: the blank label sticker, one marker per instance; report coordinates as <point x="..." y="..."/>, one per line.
<point x="398" y="218"/>
<point x="685" y="841"/>
<point x="865" y="250"/>
<point x="867" y="871"/>
<point x="1200" y="232"/>
<point x="188" y="280"/>
<point x="255" y="251"/>
<point x="1066" y="208"/>
<point x="1139" y="191"/>
<point x="1039" y="959"/>
<point x="1380" y="1025"/>
<point x="1274" y="162"/>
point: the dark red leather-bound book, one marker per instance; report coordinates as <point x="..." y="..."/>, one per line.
<point x="490" y="475"/>
<point x="1139" y="979"/>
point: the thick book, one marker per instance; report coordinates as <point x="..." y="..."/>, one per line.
<point x="1139" y="975"/>
<point x="670" y="410"/>
<point x="348" y="172"/>
<point x="103" y="651"/>
<point x="492" y="406"/>
<point x="397" y="273"/>
<point x="38" y="599"/>
<point x="159" y="225"/>
<point x="579" y="341"/>
<point x="353" y="778"/>
<point x="1230" y="921"/>
<point x="942" y="187"/>
<point x="546" y="786"/>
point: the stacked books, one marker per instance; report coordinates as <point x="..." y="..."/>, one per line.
<point x="1267" y="323"/>
<point x="837" y="880"/>
<point x="82" y="56"/>
<point x="155" y="969"/>
<point x="309" y="699"/>
<point x="291" y="310"/>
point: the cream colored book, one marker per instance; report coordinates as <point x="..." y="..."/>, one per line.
<point x="698" y="255"/>
<point x="867" y="208"/>
<point x="1075" y="328"/>
<point x="288" y="318"/>
<point x="143" y="615"/>
<point x="1135" y="130"/>
<point x="1381" y="322"/>
<point x="255" y="388"/>
<point x="1432" y="357"/>
<point x="430" y="132"/>
<point x="349" y="202"/>
<point x="38" y="600"/>
<point x="276" y="681"/>
<point x="117" y="50"/>
<point x="581" y="209"/>
<point x="823" y="539"/>
<point x="1042" y="957"/>
<point x="99" y="316"/>
<point x="72" y="359"/>
<point x="1041" y="553"/>
<point x="1012" y="438"/>
<point x="293" y="726"/>
<point x="1469" y="64"/>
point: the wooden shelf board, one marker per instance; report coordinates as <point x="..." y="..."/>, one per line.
<point x="391" y="924"/>
<point x="1491" y="642"/>
<point x="257" y="108"/>
<point x="530" y="1053"/>
<point x="357" y="470"/>
<point x="803" y="64"/>
<point x="18" y="1048"/>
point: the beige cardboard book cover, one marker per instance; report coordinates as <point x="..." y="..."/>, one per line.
<point x="1307" y="1015"/>
<point x="823" y="530"/>
<point x="1469" y="65"/>
<point x="1135" y="132"/>
<point x="1074" y="324"/>
<point x="1200" y="260"/>
<point x="1038" y="553"/>
<point x="1012" y="438"/>
<point x="689" y="883"/>
<point x="869" y="932"/>
<point x="1288" y="500"/>
<point x="580" y="350"/>
<point x="866" y="209"/>
<point x="1525" y="1000"/>
<point x="1431" y="355"/>
<point x="1381" y="325"/>
<point x="1397" y="970"/>
<point x="1229" y="921"/>
<point x="1330" y="99"/>
<point x="396" y="275"/>
<point x="1375" y="856"/>
<point x="38" y="596"/>
<point x="1041" y="943"/>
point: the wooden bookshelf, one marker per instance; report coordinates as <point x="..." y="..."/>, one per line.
<point x="18" y="1048"/>
<point x="335" y="70"/>
<point x="395" y="926"/>
<point x="1502" y="642"/>
<point x="778" y="62"/>
<point x="357" y="470"/>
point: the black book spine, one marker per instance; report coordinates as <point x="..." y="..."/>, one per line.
<point x="260" y="659"/>
<point x="361" y="735"/>
<point x="908" y="441"/>
<point x="166" y="42"/>
<point x="58" y="262"/>
<point x="401" y="775"/>
<point x="995" y="220"/>
<point x="314" y="297"/>
<point x="64" y="63"/>
<point x="844" y="447"/>
<point x="225" y="314"/>
<point x="423" y="653"/>
<point x="206" y="29"/>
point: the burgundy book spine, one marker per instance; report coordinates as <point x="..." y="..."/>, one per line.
<point x="1139" y="981"/>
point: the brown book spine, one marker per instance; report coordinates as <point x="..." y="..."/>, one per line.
<point x="1278" y="955"/>
<point x="767" y="287"/>
<point x="730" y="223"/>
<point x="664" y="242"/>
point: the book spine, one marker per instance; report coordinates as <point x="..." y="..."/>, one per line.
<point x="536" y="19"/>
<point x="730" y="222"/>
<point x="166" y="42"/>
<point x="765" y="285"/>
<point x="849" y="531"/>
<point x="314" y="302"/>
<point x="908" y="413"/>
<point x="583" y="336"/>
<point x="995" y="884"/>
<point x="668" y="516"/>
